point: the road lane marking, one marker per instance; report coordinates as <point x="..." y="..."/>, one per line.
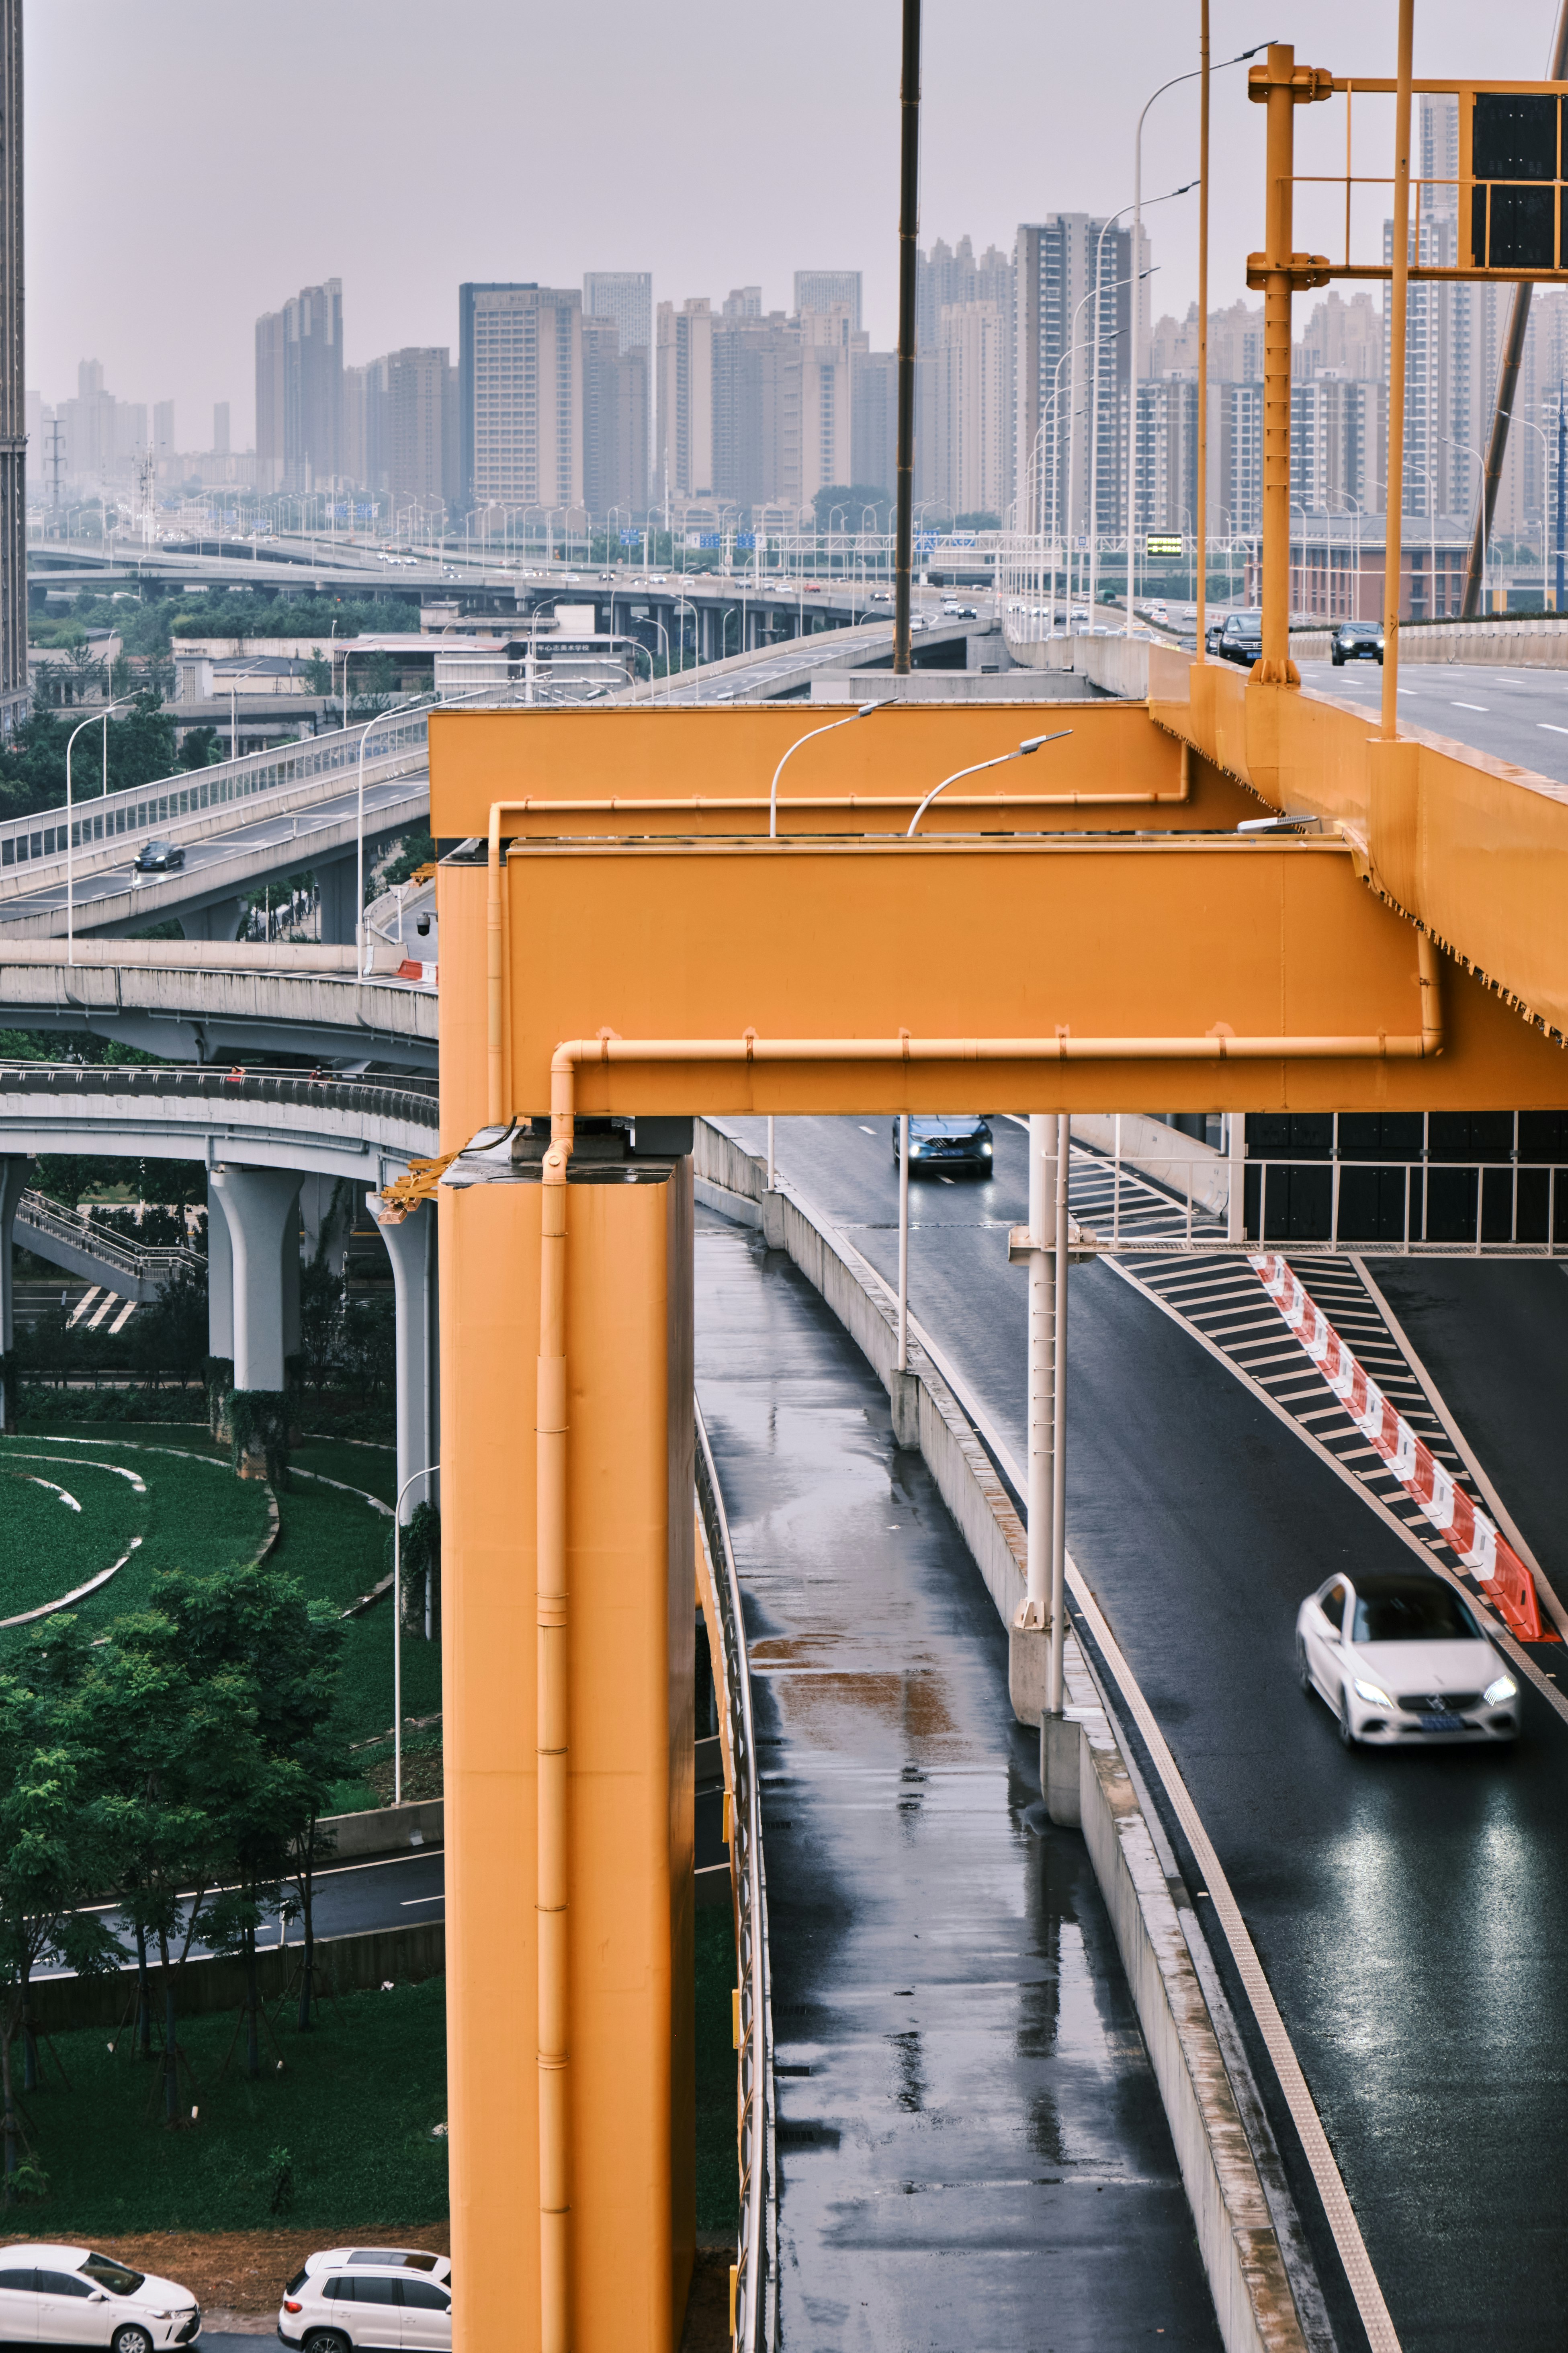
<point x="1551" y="728"/>
<point x="1468" y="706"/>
<point x="408" y="1901"/>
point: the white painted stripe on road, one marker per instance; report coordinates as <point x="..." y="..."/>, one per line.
<point x="410" y="1901"/>
<point x="83" y="1303"/>
<point x="126" y="1313"/>
<point x="1382" y="2336"/>
<point x="1551" y="728"/>
<point x="96" y="1318"/>
<point x="1469" y="706"/>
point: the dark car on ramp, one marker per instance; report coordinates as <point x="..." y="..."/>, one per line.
<point x="1356" y="642"/>
<point x="1241" y="638"/>
<point x="964" y="1142"/>
<point x="159" y="858"/>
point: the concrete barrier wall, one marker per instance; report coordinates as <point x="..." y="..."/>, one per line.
<point x="384" y="1830"/>
<point x="1241" y="2254"/>
<point x="1116" y="665"/>
<point x="1193" y="1170"/>
<point x="347" y="1963"/>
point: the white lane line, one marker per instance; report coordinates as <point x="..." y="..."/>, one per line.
<point x="1375" y="2318"/>
<point x="1551" y="728"/>
<point x="83" y="1303"/>
<point x="410" y="1901"/>
<point x="96" y="1318"/>
<point x="1468" y="706"/>
<point x="126" y="1313"/>
<point x="864" y="1129"/>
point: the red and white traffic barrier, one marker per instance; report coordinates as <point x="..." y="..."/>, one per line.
<point x="1467" y="1531"/>
<point x="424" y="973"/>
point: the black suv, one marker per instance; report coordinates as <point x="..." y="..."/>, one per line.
<point x="1356" y="642"/>
<point x="1241" y="638"/>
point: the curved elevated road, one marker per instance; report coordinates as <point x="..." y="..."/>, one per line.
<point x="1410" y="1910"/>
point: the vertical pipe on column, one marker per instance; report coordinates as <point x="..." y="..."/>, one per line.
<point x="552" y="1725"/>
<point x="1059" y="1416"/>
<point x="1394" y="472"/>
<point x="903" y="1242"/>
<point x="1235" y="1200"/>
<point x="1042" y="1368"/>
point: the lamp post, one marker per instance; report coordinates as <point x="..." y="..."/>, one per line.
<point x="429" y="1472"/>
<point x="71" y="828"/>
<point x="397" y="710"/>
<point x="1545" y="499"/>
<point x="1481" y="461"/>
<point x="810" y="737"/>
<point x="1030" y="743"/>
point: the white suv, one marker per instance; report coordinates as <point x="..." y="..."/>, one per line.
<point x="69" y="2295"/>
<point x="350" y="2297"/>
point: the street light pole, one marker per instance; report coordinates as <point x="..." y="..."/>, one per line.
<point x="71" y="828"/>
<point x="1031" y="744"/>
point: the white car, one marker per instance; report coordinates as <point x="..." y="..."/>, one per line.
<point x="1399" y="1657"/>
<point x="69" y="2295"/>
<point x="369" y="2296"/>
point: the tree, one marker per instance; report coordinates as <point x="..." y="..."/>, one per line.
<point x="54" y="1838"/>
<point x="200" y="748"/>
<point x="854" y="498"/>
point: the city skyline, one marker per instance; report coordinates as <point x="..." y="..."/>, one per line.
<point x="999" y="148"/>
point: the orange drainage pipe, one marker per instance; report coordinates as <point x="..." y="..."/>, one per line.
<point x="553" y="1724"/>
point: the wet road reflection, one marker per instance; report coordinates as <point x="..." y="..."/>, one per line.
<point x="972" y="2149"/>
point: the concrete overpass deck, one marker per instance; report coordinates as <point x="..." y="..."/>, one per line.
<point x="198" y="1001"/>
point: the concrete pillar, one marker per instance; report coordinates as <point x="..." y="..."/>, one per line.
<point x="258" y="1205"/>
<point x="218" y="922"/>
<point x="288" y="1276"/>
<point x="220" y="1279"/>
<point x="411" y="1247"/>
<point x="339" y="914"/>
<point x="14" y="1167"/>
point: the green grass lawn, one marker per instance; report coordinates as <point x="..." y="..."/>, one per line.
<point x="353" y="2107"/>
<point x="197" y="1514"/>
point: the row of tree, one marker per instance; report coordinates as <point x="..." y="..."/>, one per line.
<point x="161" y="1787"/>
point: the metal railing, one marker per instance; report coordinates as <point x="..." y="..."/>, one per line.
<point x="169" y="800"/>
<point x="1385" y="1207"/>
<point x="145" y="1262"/>
<point x="405" y="1098"/>
<point x="755" y="2299"/>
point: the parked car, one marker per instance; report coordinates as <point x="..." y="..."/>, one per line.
<point x="964" y="1142"/>
<point x="1400" y="1659"/>
<point x="1356" y="642"/>
<point x="380" y="2297"/>
<point x="69" y="2295"/>
<point x="159" y="858"/>
<point x="1241" y="637"/>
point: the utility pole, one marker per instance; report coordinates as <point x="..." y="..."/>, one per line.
<point x="909" y="229"/>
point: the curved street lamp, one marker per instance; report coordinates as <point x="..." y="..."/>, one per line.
<point x="71" y="828"/>
<point x="864" y="712"/>
<point x="1030" y="743"/>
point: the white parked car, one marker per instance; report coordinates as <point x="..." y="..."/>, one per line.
<point x="69" y="2295"/>
<point x="1399" y="1657"/>
<point x="371" y="2296"/>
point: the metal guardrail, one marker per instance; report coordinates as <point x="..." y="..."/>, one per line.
<point x="147" y="1262"/>
<point x="168" y="800"/>
<point x="409" y="1098"/>
<point x="755" y="2297"/>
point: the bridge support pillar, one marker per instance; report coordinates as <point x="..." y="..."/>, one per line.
<point x="411" y="1247"/>
<point x="220" y="1314"/>
<point x="13" y="1167"/>
<point x="218" y="922"/>
<point x="629" y="1673"/>
<point x="340" y="916"/>
<point x="260" y="1211"/>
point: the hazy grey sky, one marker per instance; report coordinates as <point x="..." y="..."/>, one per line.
<point x="192" y="163"/>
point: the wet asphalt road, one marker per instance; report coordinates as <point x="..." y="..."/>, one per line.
<point x="1519" y="715"/>
<point x="1411" y="1911"/>
<point x="972" y="2149"/>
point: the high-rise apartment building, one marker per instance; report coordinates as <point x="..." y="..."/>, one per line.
<point x="220" y="428"/>
<point x="520" y="395"/>
<point x="420" y="429"/>
<point x="365" y="424"/>
<point x="614" y="423"/>
<point x="969" y="416"/>
<point x="753" y="356"/>
<point x="743" y="302"/>
<point x="627" y="297"/>
<point x="818" y="417"/>
<point x="1073" y="300"/>
<point x="299" y="391"/>
<point x="683" y="423"/>
<point x="950" y="279"/>
<point x="874" y="421"/>
<point x="827" y="289"/>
